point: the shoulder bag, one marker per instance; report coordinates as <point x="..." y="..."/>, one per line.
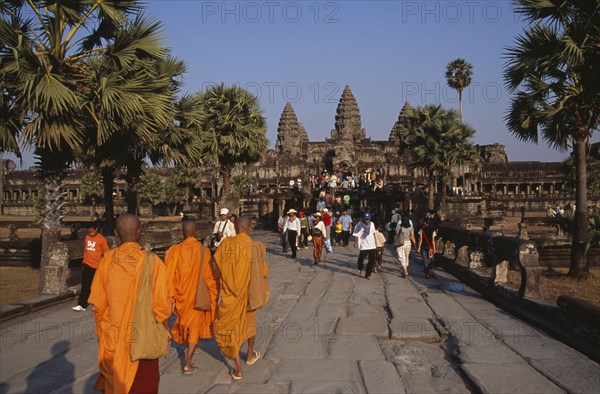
<point x="149" y="339"/>
<point x="202" y="294"/>
<point x="258" y="291"/>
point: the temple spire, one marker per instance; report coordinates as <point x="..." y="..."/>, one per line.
<point x="348" y="124"/>
<point x="291" y="135"/>
<point x="394" y="133"/>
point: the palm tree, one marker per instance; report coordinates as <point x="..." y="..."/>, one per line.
<point x="44" y="47"/>
<point x="458" y="76"/>
<point x="233" y="130"/>
<point x="552" y="70"/>
<point x="438" y="141"/>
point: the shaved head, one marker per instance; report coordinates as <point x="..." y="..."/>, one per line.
<point x="128" y="228"/>
<point x="243" y="224"/>
<point x="189" y="228"/>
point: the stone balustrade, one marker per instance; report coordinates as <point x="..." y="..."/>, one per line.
<point x="475" y="249"/>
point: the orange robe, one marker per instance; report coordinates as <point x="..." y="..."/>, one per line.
<point x="233" y="262"/>
<point x="183" y="267"/>
<point x="114" y="294"/>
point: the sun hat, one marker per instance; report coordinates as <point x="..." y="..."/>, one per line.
<point x="325" y="210"/>
<point x="317" y="215"/>
<point x="366" y="216"/>
<point x="292" y="211"/>
<point x="224" y="211"/>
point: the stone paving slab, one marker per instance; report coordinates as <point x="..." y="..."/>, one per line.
<point x="319" y="376"/>
<point x="354" y="348"/>
<point x="363" y="325"/>
<point x="568" y="375"/>
<point x="509" y="378"/>
<point x="381" y="377"/>
<point x="413" y="329"/>
<point x="423" y="367"/>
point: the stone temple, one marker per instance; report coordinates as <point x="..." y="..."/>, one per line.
<point x="492" y="183"/>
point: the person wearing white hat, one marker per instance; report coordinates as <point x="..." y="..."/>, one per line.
<point x="223" y="228"/>
<point x="293" y="228"/>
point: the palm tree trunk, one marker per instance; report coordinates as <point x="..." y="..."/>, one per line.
<point x="578" y="266"/>
<point x="51" y="228"/>
<point x="460" y="104"/>
<point x="108" y="180"/>
<point x="431" y="191"/>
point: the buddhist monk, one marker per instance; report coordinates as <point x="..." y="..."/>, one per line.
<point x="183" y="267"/>
<point x="114" y="296"/>
<point x="234" y="324"/>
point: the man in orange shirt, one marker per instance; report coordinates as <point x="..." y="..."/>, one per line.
<point x="114" y="295"/>
<point x="94" y="248"/>
<point x="183" y="266"/>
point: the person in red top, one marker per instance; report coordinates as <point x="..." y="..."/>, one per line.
<point x="93" y="249"/>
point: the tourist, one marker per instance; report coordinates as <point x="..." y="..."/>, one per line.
<point x="393" y="224"/>
<point x="223" y="228"/>
<point x="346" y="221"/>
<point x="304" y="230"/>
<point x="379" y="245"/>
<point x="321" y="204"/>
<point x="299" y="184"/>
<point x="292" y="227"/>
<point x="235" y="324"/>
<point x="185" y="263"/>
<point x="326" y="216"/>
<point x="282" y="234"/>
<point x="426" y="246"/>
<point x="292" y="185"/>
<point x="364" y="240"/>
<point x="318" y="234"/>
<point x="94" y="247"/>
<point x="405" y="238"/>
<point x="337" y="228"/>
<point x="114" y="295"/>
<point x="332" y="184"/>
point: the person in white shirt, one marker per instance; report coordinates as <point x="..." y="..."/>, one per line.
<point x="365" y="241"/>
<point x="223" y="228"/>
<point x="292" y="226"/>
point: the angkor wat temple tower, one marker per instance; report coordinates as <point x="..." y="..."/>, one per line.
<point x="292" y="139"/>
<point x="348" y="125"/>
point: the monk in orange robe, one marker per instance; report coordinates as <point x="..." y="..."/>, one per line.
<point x="183" y="267"/>
<point x="114" y="296"/>
<point x="234" y="324"/>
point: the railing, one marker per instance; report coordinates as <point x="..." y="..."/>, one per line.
<point x="473" y="249"/>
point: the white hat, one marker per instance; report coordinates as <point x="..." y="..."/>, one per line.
<point x="325" y="210"/>
<point x="224" y="211"/>
<point x="292" y="211"/>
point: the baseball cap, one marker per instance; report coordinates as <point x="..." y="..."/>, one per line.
<point x="366" y="216"/>
<point x="224" y="211"/>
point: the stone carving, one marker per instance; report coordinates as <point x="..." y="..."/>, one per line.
<point x="449" y="250"/>
<point x="523" y="231"/>
<point x="475" y="259"/>
<point x="463" y="255"/>
<point x="55" y="282"/>
<point x="500" y="272"/>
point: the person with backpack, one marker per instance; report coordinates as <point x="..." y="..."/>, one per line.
<point x="426" y="246"/>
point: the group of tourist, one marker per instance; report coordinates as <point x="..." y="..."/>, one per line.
<point x="368" y="180"/>
<point x="212" y="295"/>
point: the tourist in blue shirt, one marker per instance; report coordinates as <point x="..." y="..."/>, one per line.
<point x="346" y="221"/>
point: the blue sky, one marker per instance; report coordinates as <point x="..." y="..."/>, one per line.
<point x="388" y="52"/>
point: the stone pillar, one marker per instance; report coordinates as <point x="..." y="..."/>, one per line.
<point x="522" y="231"/>
<point x="12" y="229"/>
<point x="54" y="275"/>
<point x="530" y="270"/>
<point x="505" y="189"/>
<point x="501" y="271"/>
